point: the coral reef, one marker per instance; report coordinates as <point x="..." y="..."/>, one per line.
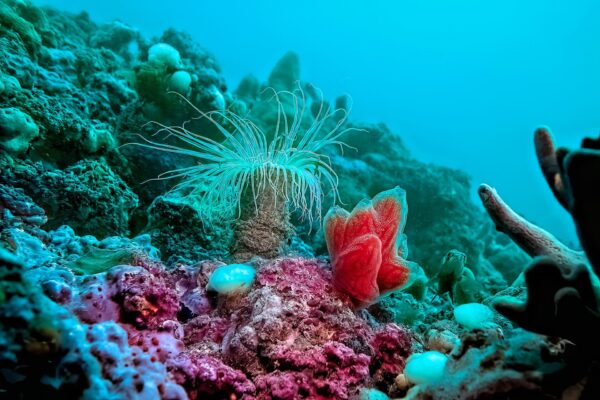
<point x="116" y="282"/>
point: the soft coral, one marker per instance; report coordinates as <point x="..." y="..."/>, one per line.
<point x="364" y="245"/>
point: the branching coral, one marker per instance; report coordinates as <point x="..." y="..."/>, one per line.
<point x="364" y="246"/>
<point x="562" y="299"/>
<point x="248" y="168"/>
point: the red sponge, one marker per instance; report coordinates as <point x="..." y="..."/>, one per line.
<point x="363" y="246"/>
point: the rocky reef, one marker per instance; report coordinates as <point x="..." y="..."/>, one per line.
<point x="140" y="259"/>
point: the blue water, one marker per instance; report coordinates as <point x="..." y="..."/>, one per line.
<point x="464" y="82"/>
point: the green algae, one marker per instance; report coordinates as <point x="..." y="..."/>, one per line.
<point x="98" y="260"/>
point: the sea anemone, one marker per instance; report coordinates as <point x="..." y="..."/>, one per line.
<point x="263" y="176"/>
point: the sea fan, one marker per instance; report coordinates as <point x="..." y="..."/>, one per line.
<point x="291" y="163"/>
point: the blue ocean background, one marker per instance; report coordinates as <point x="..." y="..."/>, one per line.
<point x="463" y="82"/>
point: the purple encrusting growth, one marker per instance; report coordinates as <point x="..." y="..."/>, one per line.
<point x="293" y="333"/>
<point x="79" y="360"/>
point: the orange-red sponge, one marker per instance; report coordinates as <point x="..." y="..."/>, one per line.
<point x="364" y="246"/>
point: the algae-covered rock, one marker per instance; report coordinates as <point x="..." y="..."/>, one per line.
<point x="17" y="28"/>
<point x="523" y="366"/>
<point x="71" y="108"/>
<point x="400" y="308"/>
<point x="181" y="231"/>
<point x="17" y="130"/>
<point x="88" y="195"/>
<point x="119" y="37"/>
<point x="18" y="209"/>
<point x="100" y="260"/>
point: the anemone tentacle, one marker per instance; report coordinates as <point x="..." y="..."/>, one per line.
<point x="291" y="163"/>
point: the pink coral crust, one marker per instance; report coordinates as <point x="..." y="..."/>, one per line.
<point x="293" y="335"/>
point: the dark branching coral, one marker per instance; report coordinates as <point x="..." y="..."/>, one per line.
<point x="562" y="300"/>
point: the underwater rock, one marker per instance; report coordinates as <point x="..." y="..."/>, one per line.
<point x="207" y="376"/>
<point x="523" y="366"/>
<point x="507" y="258"/>
<point x="17" y="130"/>
<point x="331" y="372"/>
<point x="286" y="73"/>
<point x="67" y="245"/>
<point x="88" y="196"/>
<point x="9" y="85"/>
<point x="442" y="341"/>
<point x="189" y="49"/>
<point x="391" y="346"/>
<point x="144" y="297"/>
<point x="18" y="209"/>
<point x="21" y="32"/>
<point x="248" y="89"/>
<point x="290" y="321"/>
<point x="60" y="95"/>
<point x="400" y="308"/>
<point x="27" y="247"/>
<point x="119" y="37"/>
<point x="180" y="231"/>
<point x="295" y="334"/>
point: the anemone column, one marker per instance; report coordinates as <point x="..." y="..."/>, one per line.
<point x="264" y="226"/>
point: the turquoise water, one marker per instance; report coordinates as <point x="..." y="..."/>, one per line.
<point x="463" y="82"/>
